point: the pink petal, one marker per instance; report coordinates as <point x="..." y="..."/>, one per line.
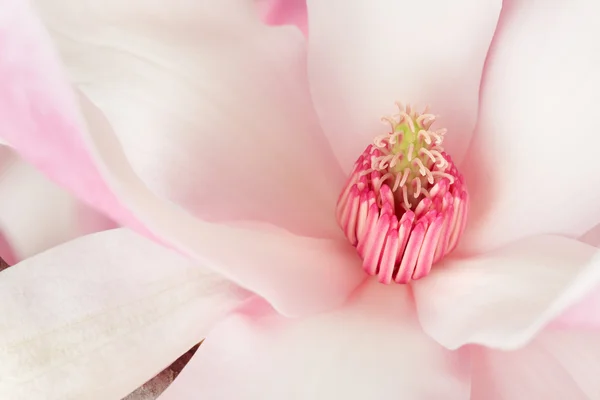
<point x="371" y="349"/>
<point x="532" y="166"/>
<point x="501" y="299"/>
<point x="97" y="317"/>
<point x="211" y="107"/>
<point x="36" y="214"/>
<point x="556" y="365"/>
<point x="278" y="265"/>
<point x="366" y="54"/>
<point x="6" y="251"/>
<point x="592" y="237"/>
<point x="283" y="12"/>
<point x="40" y="118"/>
<point x="585" y="313"/>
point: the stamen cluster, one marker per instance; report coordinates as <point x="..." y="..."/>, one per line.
<point x="405" y="204"/>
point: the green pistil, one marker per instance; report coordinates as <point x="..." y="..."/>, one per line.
<point x="408" y="137"/>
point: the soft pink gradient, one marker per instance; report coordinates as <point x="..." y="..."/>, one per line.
<point x="45" y="126"/>
<point x="261" y="355"/>
<point x="586" y="313"/>
<point x="34" y="100"/>
<point x="36" y="214"/>
<point x="284" y="12"/>
<point x="6" y="251"/>
<point x="235" y="111"/>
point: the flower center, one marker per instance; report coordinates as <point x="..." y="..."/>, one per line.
<point x="405" y="204"/>
<point x="407" y="155"/>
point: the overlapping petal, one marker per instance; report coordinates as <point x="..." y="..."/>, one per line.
<point x="556" y="365"/>
<point x="585" y="314"/>
<point x="41" y="119"/>
<point x="96" y="317"/>
<point x="6" y="253"/>
<point x="283" y="12"/>
<point x="36" y="214"/>
<point x="532" y="167"/>
<point x="372" y="348"/>
<point x="364" y="55"/>
<point x="211" y="107"/>
<point x="503" y="298"/>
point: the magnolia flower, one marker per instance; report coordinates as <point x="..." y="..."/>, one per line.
<point x="224" y="144"/>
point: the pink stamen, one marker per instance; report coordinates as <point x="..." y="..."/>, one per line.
<point x="430" y="177"/>
<point x="428" y="247"/>
<point x="400" y="106"/>
<point x="390" y="121"/>
<point x="444" y="174"/>
<point x="409" y="152"/>
<point x="405" y="197"/>
<point x="437" y="137"/>
<point x="402" y="216"/>
<point x="394" y="137"/>
<point x="428" y="154"/>
<point x="388" y="257"/>
<point x="424" y="135"/>
<point x="366" y="172"/>
<point x="411" y="253"/>
<point x="418" y="188"/>
<point x="404" y="177"/>
<point x="380" y="142"/>
<point x="395" y="160"/>
<point x="387" y="176"/>
<point x="409" y="121"/>
<point x="442" y="163"/>
<point x="384" y="162"/>
<point x="422" y="168"/>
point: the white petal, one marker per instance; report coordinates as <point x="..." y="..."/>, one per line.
<point x="556" y="365"/>
<point x="277" y="265"/>
<point x="98" y="316"/>
<point x="585" y="313"/>
<point x="533" y="164"/>
<point x="40" y="118"/>
<point x="212" y="108"/>
<point x="503" y="298"/>
<point x="36" y="214"/>
<point x="371" y="349"/>
<point x="366" y="54"/>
